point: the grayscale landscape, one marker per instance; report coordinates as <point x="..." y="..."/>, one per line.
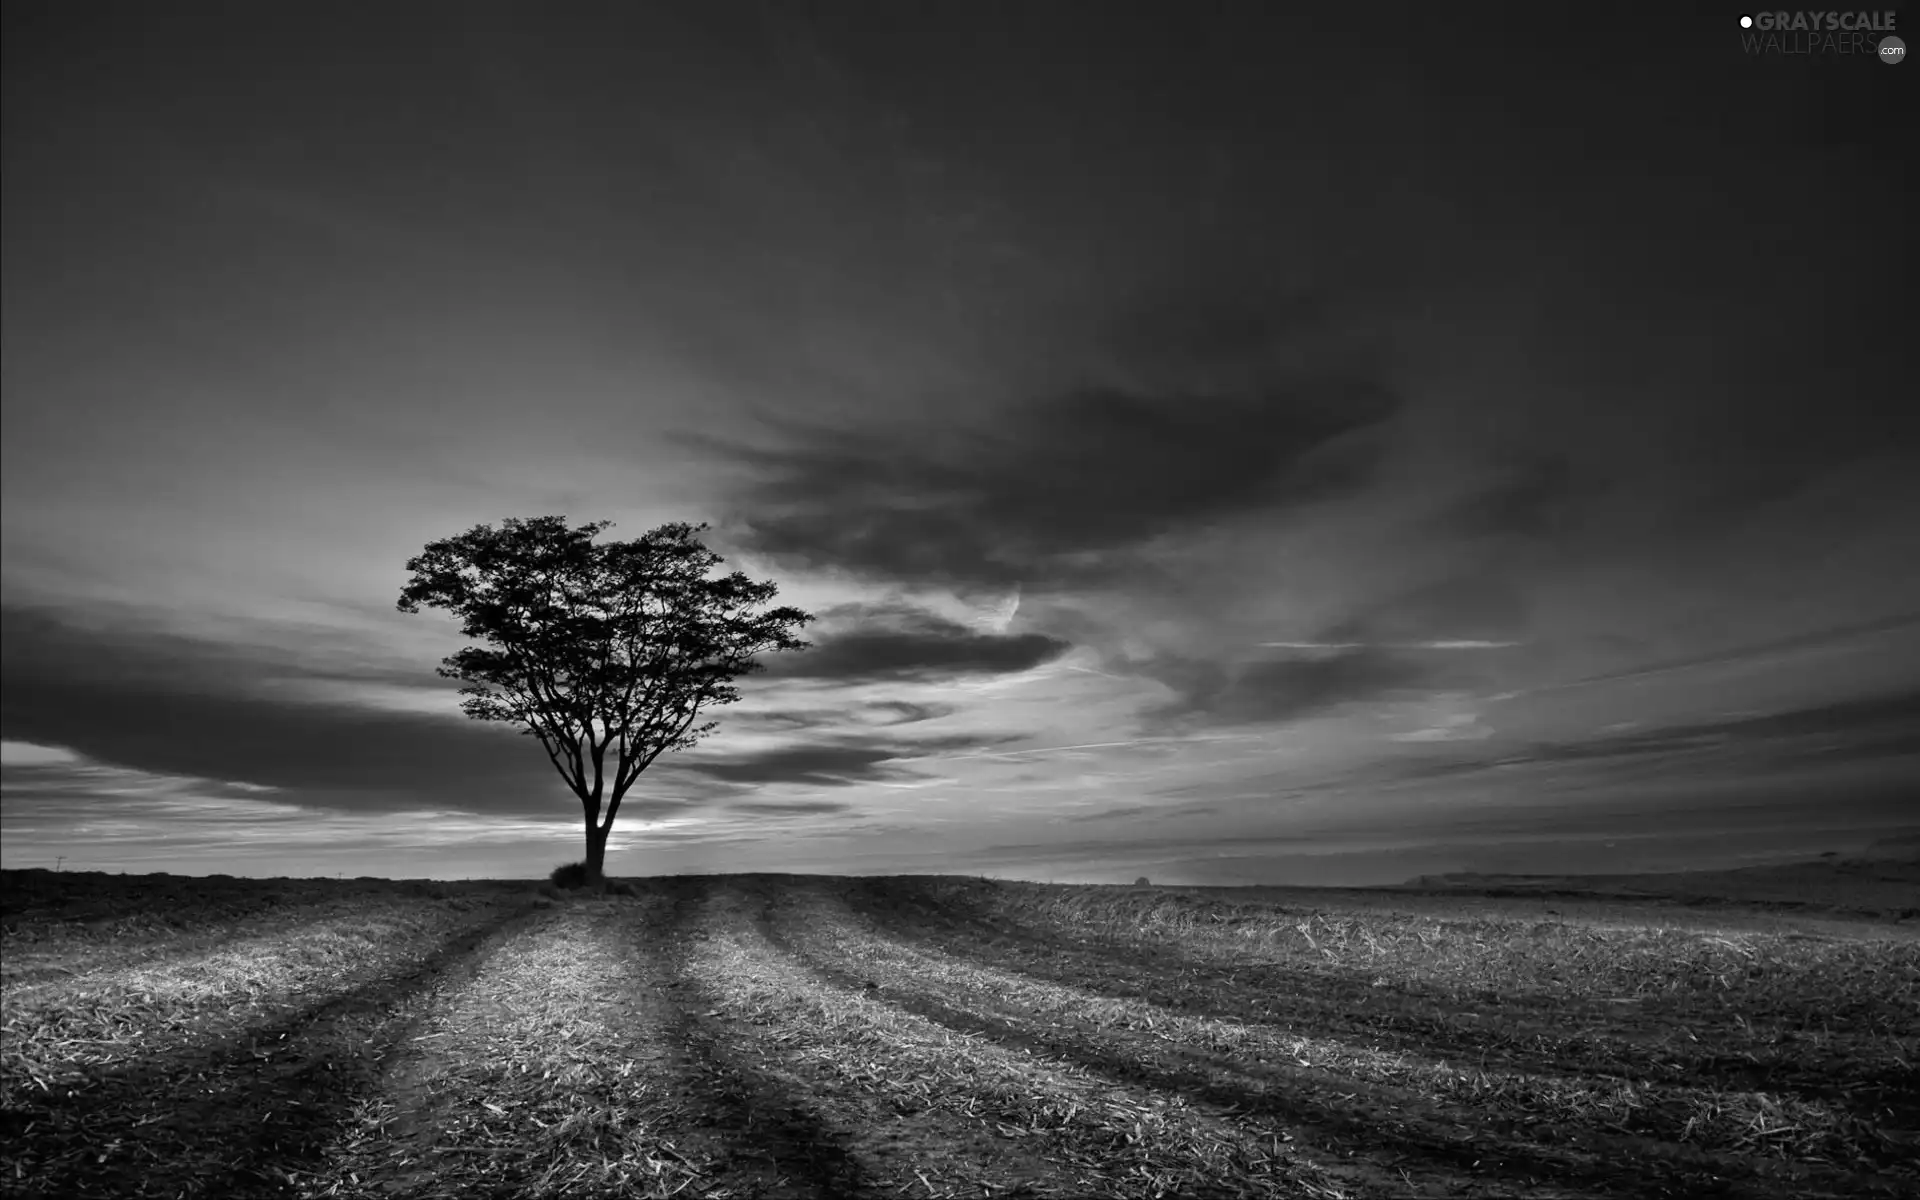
<point x="783" y="1035"/>
<point x="957" y="599"/>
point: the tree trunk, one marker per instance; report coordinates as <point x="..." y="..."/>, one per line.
<point x="596" y="860"/>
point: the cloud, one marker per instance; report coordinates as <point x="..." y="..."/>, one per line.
<point x="895" y="642"/>
<point x="907" y="713"/>
<point x="1442" y="644"/>
<point x="1064" y="489"/>
<point x="171" y="705"/>
<point x="1460" y="727"/>
<point x="881" y="713"/>
<point x="1885" y="726"/>
<point x="1109" y="814"/>
<point x="1894" y="716"/>
<point x="834" y="765"/>
<point x="1754" y="651"/>
<point x="794" y="808"/>
<point x="26" y="754"/>
<point x="787" y="720"/>
<point x="1278" y="690"/>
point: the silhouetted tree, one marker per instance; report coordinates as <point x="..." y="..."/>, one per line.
<point x="1142" y="882"/>
<point x="594" y="648"/>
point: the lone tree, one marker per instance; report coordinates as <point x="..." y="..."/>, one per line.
<point x="597" y="648"/>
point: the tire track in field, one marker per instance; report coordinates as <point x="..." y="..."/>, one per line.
<point x="1020" y="950"/>
<point x="896" y="1099"/>
<point x="233" y="1117"/>
<point x="1854" y="1065"/>
<point x="1346" y="1143"/>
<point x="1185" y="982"/>
<point x="1400" y="1119"/>
<point x="1083" y="1135"/>
<point x="1853" y="1075"/>
<point x="65" y="958"/>
<point x="551" y="1071"/>
<point x="769" y="1133"/>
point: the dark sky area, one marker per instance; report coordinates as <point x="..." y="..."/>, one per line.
<point x="1227" y="443"/>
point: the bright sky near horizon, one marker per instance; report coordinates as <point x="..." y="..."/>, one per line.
<point x="1216" y="452"/>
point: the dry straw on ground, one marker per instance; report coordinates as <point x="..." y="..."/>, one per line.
<point x="790" y="1036"/>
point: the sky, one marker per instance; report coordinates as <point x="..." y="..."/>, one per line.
<point x="1218" y="446"/>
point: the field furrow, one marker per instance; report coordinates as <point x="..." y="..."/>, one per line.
<point x="206" y="1084"/>
<point x="546" y="1072"/>
<point x="1368" y="1127"/>
<point x="1101" y="1138"/>
<point x="807" y="1037"/>
<point x="1574" y="1127"/>
<point x="1858" y="1072"/>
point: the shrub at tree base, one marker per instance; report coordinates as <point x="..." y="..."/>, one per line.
<point x="571" y="876"/>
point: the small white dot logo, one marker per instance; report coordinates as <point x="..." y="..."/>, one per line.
<point x="1746" y="22"/>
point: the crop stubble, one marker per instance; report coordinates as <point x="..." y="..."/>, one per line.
<point x="806" y="1036"/>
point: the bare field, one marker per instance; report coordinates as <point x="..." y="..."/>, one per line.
<point x="762" y="1035"/>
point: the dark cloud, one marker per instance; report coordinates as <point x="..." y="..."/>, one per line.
<point x="901" y="712"/>
<point x="1110" y="814"/>
<point x="1062" y="487"/>
<point x="1281" y="689"/>
<point x="897" y="642"/>
<point x="1893" y="718"/>
<point x="787" y="720"/>
<point x="1627" y="745"/>
<point x="1433" y="768"/>
<point x="796" y="808"/>
<point x="167" y="704"/>
<point x="172" y="705"/>
<point x="882" y="713"/>
<point x="1886" y="726"/>
<point x="837" y="764"/>
<point x="1770" y="647"/>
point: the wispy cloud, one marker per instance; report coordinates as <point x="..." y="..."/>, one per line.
<point x="839" y="764"/>
<point x="1462" y="728"/>
<point x="896" y="642"/>
<point x="1441" y="644"/>
<point x="26" y="754"/>
<point x="1753" y="651"/>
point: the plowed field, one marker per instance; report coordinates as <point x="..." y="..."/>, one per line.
<point x="742" y="1036"/>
